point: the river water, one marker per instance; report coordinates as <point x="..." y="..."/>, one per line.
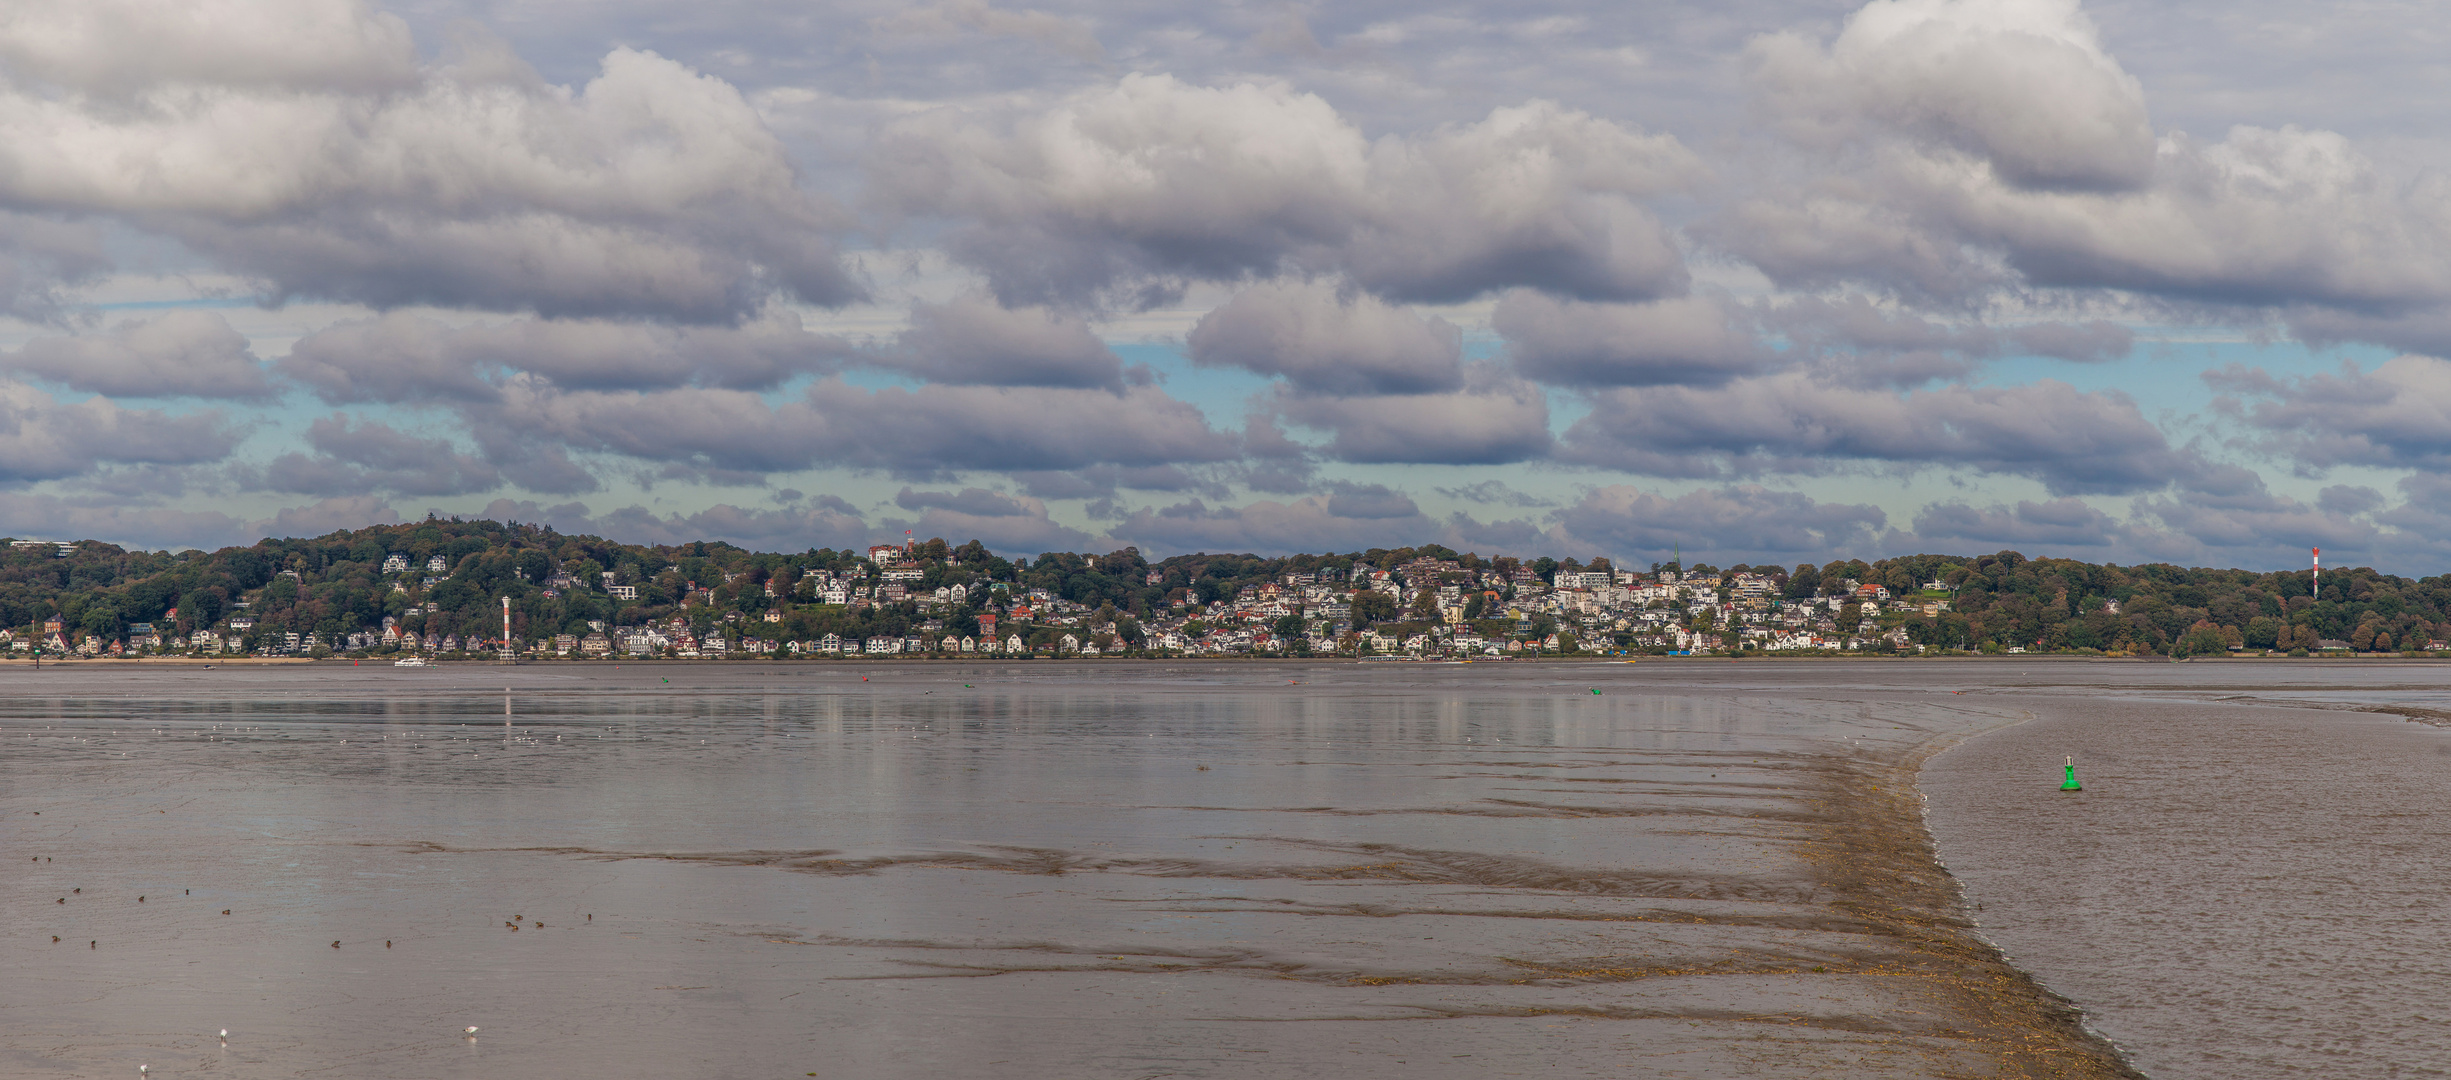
<point x="1049" y="870"/>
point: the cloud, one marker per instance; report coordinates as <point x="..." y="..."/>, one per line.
<point x="977" y="341"/>
<point x="53" y="517"/>
<point x="2245" y="523"/>
<point x="926" y="431"/>
<point x="2057" y="525"/>
<point x="2074" y="442"/>
<point x="2093" y="342"/>
<point x="1152" y="182"/>
<point x="1017" y="525"/>
<point x="351" y="172"/>
<point x="1325" y="340"/>
<point x="122" y="48"/>
<point x="42" y="439"/>
<point x="2023" y="86"/>
<point x="2398" y="416"/>
<point x="1494" y="420"/>
<point x="1686" y="340"/>
<point x="402" y="357"/>
<point x="1070" y="37"/>
<point x="1968" y="146"/>
<point x="328" y="515"/>
<point x="1268" y="527"/>
<point x="374" y="456"/>
<point x="1494" y="493"/>
<point x="1742" y="523"/>
<point x="1099" y="481"/>
<point x="1369" y="501"/>
<point x="179" y="354"/>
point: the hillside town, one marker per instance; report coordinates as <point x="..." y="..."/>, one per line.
<point x="447" y="588"/>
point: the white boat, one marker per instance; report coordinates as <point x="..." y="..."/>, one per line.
<point x="411" y="661"/>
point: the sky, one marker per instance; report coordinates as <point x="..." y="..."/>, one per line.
<point x="1766" y="281"/>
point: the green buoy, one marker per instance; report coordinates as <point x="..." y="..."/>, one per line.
<point x="1595" y="691"/>
<point x="2071" y="784"/>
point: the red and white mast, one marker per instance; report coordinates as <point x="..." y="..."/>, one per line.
<point x="2318" y="574"/>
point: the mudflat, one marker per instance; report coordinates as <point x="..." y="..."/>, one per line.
<point x="1000" y="870"/>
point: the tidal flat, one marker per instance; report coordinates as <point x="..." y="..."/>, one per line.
<point x="1019" y="870"/>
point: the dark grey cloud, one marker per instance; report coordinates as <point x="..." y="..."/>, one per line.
<point x="1494" y="493"/>
<point x="927" y="431"/>
<point x="976" y="501"/>
<point x="372" y="456"/>
<point x="43" y="439"/>
<point x="177" y="354"/>
<point x="1350" y="500"/>
<point x="820" y="523"/>
<point x="2074" y="442"/>
<point x="2247" y="524"/>
<point x="1311" y="523"/>
<point x="1496" y="419"/>
<point x="2051" y="526"/>
<point x="975" y="340"/>
<point x="1005" y="523"/>
<point x="407" y="358"/>
<point x="1687" y="340"/>
<point x="1154" y="181"/>
<point x="1103" y="481"/>
<point x="2397" y="416"/>
<point x="1740" y="523"/>
<point x="1324" y="340"/>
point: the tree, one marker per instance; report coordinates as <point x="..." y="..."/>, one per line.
<point x="1371" y="606"/>
<point x="1805" y="583"/>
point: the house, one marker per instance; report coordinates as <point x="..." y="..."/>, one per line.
<point x="595" y="644"/>
<point x="884" y="646"/>
<point x="1012" y="644"/>
<point x="437" y="565"/>
<point x="396" y="563"/>
<point x="565" y="643"/>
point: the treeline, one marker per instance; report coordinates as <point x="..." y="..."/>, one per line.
<point x="337" y="584"/>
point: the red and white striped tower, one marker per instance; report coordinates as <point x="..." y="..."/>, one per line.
<point x="2318" y="573"/>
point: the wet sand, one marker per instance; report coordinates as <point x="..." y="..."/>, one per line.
<point x="1166" y="870"/>
<point x="2252" y="884"/>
